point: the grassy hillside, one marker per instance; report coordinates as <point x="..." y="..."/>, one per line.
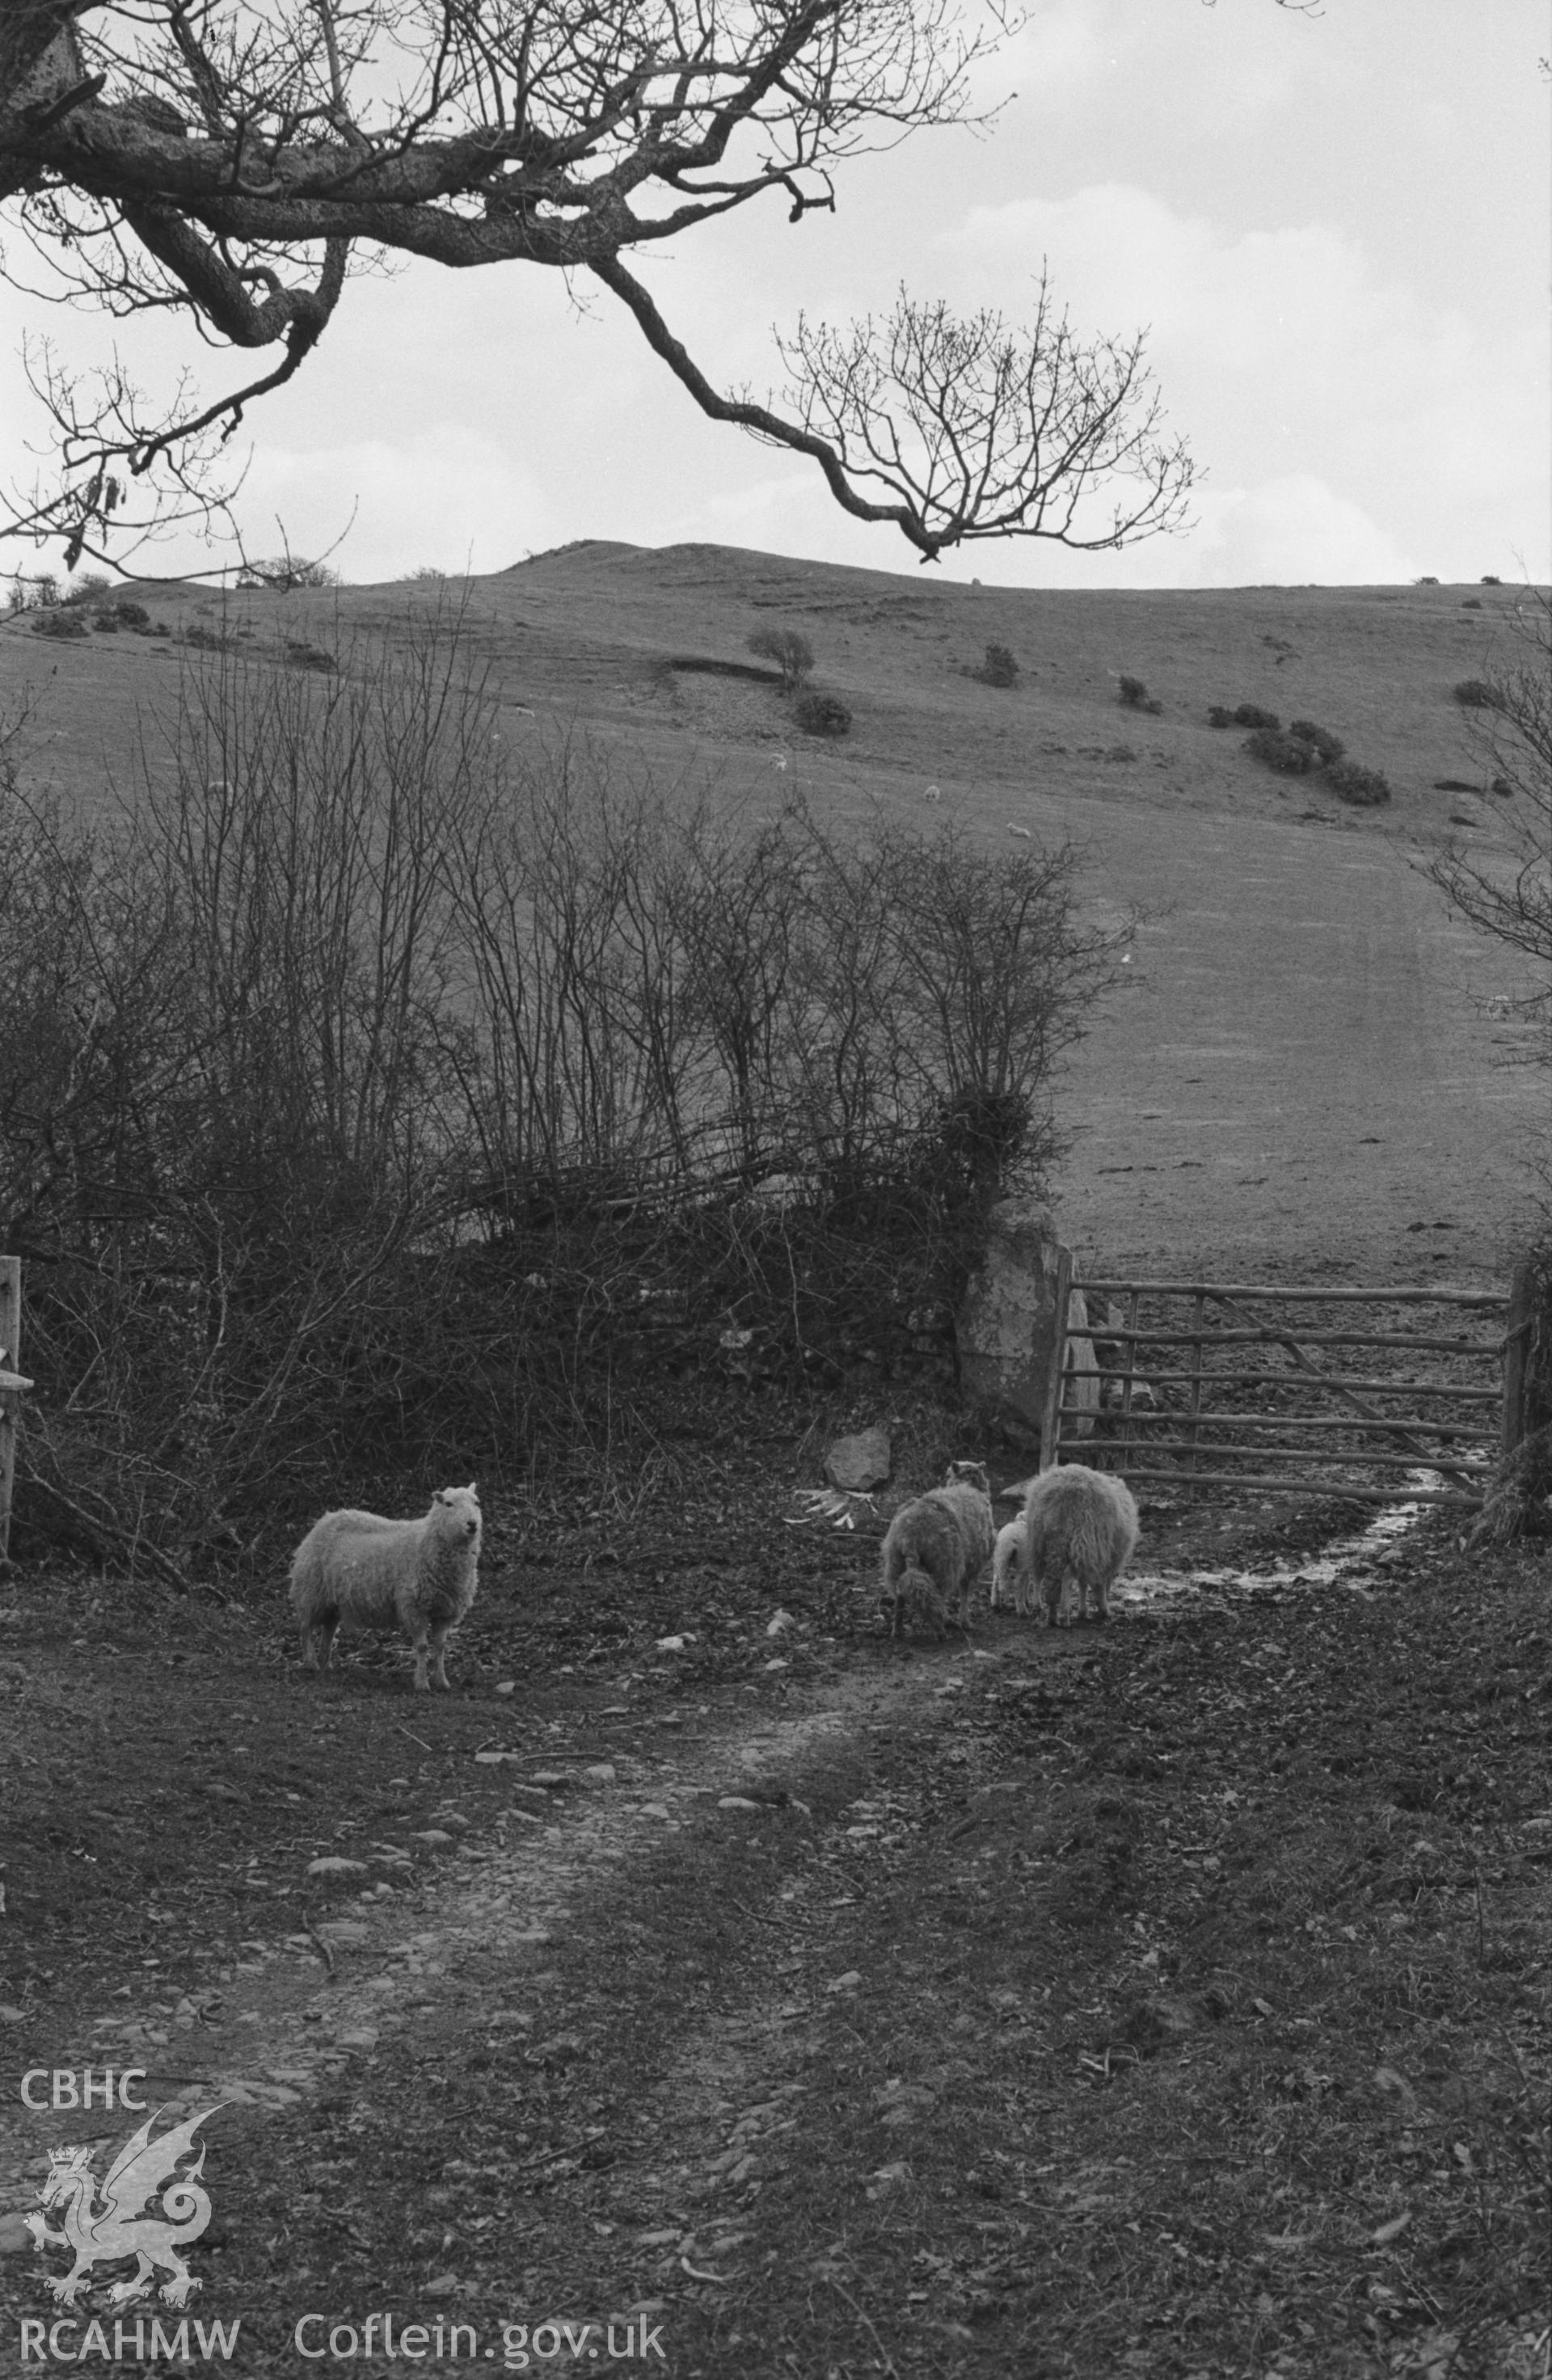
<point x="1307" y="1068"/>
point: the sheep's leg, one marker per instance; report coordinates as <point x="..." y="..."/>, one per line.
<point x="422" y="1652"/>
<point x="318" y="1641"/>
<point x="439" y="1646"/>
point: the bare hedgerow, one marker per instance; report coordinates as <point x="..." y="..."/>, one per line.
<point x="286" y="572"/>
<point x="38" y="592"/>
<point x="792" y="652"/>
<point x="372" y="1097"/>
<point x="1510" y="738"/>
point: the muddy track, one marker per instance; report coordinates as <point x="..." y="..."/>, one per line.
<point x="915" y="2014"/>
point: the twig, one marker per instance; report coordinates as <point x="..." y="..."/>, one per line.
<point x="864" y="2317"/>
<point x="779" y="1924"/>
<point x="414" y="1739"/>
<point x="324" y="1952"/>
<point x="696" y="2275"/>
<point x="136" y="1545"/>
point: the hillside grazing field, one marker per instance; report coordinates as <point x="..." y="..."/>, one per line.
<point x="710" y="1984"/>
<point x="1311" y="1068"/>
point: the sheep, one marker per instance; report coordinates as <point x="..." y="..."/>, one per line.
<point x="361" y="1570"/>
<point x="936" y="1548"/>
<point x="1080" y="1524"/>
<point x="1005" y="1555"/>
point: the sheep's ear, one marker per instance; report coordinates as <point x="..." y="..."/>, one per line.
<point x="472" y="1490"/>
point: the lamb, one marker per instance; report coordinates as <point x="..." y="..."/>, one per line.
<point x="1005" y="1557"/>
<point x="936" y="1548"/>
<point x="1077" y="1523"/>
<point x="361" y="1570"/>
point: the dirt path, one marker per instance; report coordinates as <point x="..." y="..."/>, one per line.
<point x="1077" y="2004"/>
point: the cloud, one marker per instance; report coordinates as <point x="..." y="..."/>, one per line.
<point x="447" y="498"/>
<point x="1292" y="532"/>
<point x="1290" y="364"/>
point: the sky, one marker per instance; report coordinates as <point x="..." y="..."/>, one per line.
<point x="1334" y="226"/>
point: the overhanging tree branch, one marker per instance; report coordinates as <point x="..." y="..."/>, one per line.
<point x="228" y="158"/>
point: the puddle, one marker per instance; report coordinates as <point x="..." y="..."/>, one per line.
<point x="1349" y="1560"/>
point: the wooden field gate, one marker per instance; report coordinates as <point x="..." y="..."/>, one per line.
<point x="13" y="1388"/>
<point x="1308" y="1391"/>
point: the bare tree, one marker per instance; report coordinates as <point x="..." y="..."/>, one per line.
<point x="1508" y="894"/>
<point x="234" y="162"/>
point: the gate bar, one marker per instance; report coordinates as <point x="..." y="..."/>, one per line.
<point x="1152" y="1422"/>
<point x="1480" y="1297"/>
<point x="1279" y="1336"/>
<point x="1291" y="1377"/>
<point x="1327" y="1491"/>
<point x="1456" y="1464"/>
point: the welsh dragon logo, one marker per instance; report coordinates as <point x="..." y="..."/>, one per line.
<point x="119" y="2226"/>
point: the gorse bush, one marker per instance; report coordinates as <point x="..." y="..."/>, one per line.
<point x="822" y="714"/>
<point x="58" y="621"/>
<point x="790" y="650"/>
<point x="1289" y="755"/>
<point x="1250" y="714"/>
<point x="1475" y="694"/>
<point x="1325" y="746"/>
<point x="1364" y="788"/>
<point x="369" y="1101"/>
<point x="998" y="668"/>
<point x="1134" y="696"/>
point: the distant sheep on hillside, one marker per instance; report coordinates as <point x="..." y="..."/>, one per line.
<point x="1080" y="1524"/>
<point x="357" y="1570"/>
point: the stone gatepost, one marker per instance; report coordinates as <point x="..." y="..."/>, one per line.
<point x="1006" y="1327"/>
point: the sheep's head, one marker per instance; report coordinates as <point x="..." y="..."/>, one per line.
<point x="461" y="1504"/>
<point x="969" y="1475"/>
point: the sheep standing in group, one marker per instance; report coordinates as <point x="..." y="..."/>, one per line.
<point x="359" y="1571"/>
<point x="1080" y="1524"/>
<point x="937" y="1547"/>
<point x="1005" y="1555"/>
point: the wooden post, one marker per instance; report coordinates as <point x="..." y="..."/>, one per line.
<point x="1516" y="1354"/>
<point x="1133" y="1303"/>
<point x="1050" y="1419"/>
<point x="12" y="1388"/>
<point x="1194" y="1391"/>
